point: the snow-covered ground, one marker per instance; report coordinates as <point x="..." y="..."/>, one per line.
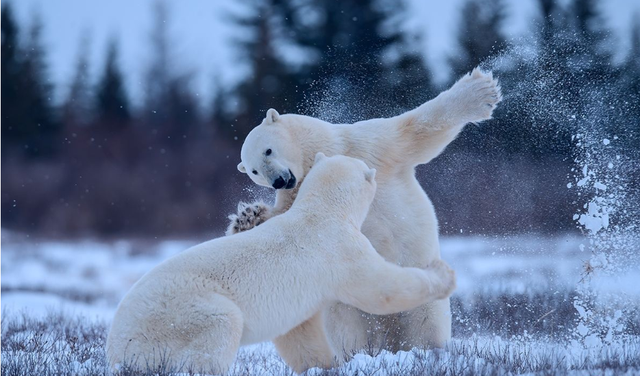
<point x="501" y="280"/>
<point x="90" y="277"/>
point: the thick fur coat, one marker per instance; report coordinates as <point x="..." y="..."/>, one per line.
<point x="197" y="308"/>
<point x="401" y="223"/>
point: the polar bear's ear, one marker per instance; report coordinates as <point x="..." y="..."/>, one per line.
<point x="370" y="175"/>
<point x="272" y="116"/>
<point x="320" y="156"/>
<point x="241" y="168"/>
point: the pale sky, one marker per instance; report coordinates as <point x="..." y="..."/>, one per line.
<point x="203" y="34"/>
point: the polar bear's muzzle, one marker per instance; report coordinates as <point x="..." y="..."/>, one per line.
<point x="286" y="180"/>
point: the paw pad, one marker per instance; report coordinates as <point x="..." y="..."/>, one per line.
<point x="248" y="216"/>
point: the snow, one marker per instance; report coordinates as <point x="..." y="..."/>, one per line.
<point x="595" y="218"/>
<point x="88" y="278"/>
<point x="39" y="304"/>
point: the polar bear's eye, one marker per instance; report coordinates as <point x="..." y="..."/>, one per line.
<point x="268" y="152"/>
<point x="255" y="172"/>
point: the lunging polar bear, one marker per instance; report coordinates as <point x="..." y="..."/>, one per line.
<point x="198" y="307"/>
<point x="401" y="224"/>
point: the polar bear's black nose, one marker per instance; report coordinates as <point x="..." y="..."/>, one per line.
<point x="279" y="183"/>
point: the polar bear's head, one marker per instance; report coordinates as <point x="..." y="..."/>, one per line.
<point x="344" y="183"/>
<point x="269" y="156"/>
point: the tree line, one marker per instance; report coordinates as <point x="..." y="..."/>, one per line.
<point x="96" y="164"/>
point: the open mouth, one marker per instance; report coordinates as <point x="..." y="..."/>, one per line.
<point x="291" y="182"/>
<point x="281" y="183"/>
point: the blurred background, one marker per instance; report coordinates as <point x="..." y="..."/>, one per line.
<point x="125" y="119"/>
<point x="122" y="123"/>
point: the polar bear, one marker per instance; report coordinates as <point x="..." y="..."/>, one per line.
<point x="401" y="224"/>
<point x="198" y="307"/>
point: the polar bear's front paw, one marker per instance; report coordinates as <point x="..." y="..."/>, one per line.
<point x="247" y="217"/>
<point x="446" y="279"/>
<point x="477" y="94"/>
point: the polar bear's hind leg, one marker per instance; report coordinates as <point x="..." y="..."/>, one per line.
<point x="306" y="346"/>
<point x="197" y="334"/>
<point x="217" y="324"/>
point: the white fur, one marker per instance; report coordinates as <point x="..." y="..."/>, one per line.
<point x="198" y="307"/>
<point x="401" y="223"/>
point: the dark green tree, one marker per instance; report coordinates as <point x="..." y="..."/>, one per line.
<point x="31" y="123"/>
<point x="170" y="105"/>
<point x="350" y="38"/>
<point x="183" y="112"/>
<point x="112" y="103"/>
<point x="592" y="38"/>
<point x="480" y="35"/>
<point x="159" y="72"/>
<point x="411" y="80"/>
<point x="632" y="63"/>
<point x="558" y="77"/>
<point x="357" y="61"/>
<point x="359" y="58"/>
<point x="351" y="46"/>
<point x="630" y="89"/>
<point x="77" y="107"/>
<point x="633" y="59"/>
<point x="10" y="79"/>
<point x="219" y="116"/>
<point x="269" y="82"/>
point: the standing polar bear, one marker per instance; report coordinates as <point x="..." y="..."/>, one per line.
<point x="401" y="224"/>
<point x="195" y="309"/>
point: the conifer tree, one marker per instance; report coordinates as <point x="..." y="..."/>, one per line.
<point x="592" y="38"/>
<point x="630" y="89"/>
<point x="10" y="79"/>
<point x="412" y="81"/>
<point x="35" y="126"/>
<point x="632" y="64"/>
<point x="112" y="103"/>
<point x="349" y="44"/>
<point x="76" y="109"/>
<point x="479" y="35"/>
<point x="269" y="82"/>
<point x="170" y="106"/>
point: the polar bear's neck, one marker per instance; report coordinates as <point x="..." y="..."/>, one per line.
<point x="311" y="136"/>
<point x="321" y="198"/>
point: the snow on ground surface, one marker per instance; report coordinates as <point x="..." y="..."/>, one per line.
<point x="513" y="310"/>
<point x="90" y="277"/>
